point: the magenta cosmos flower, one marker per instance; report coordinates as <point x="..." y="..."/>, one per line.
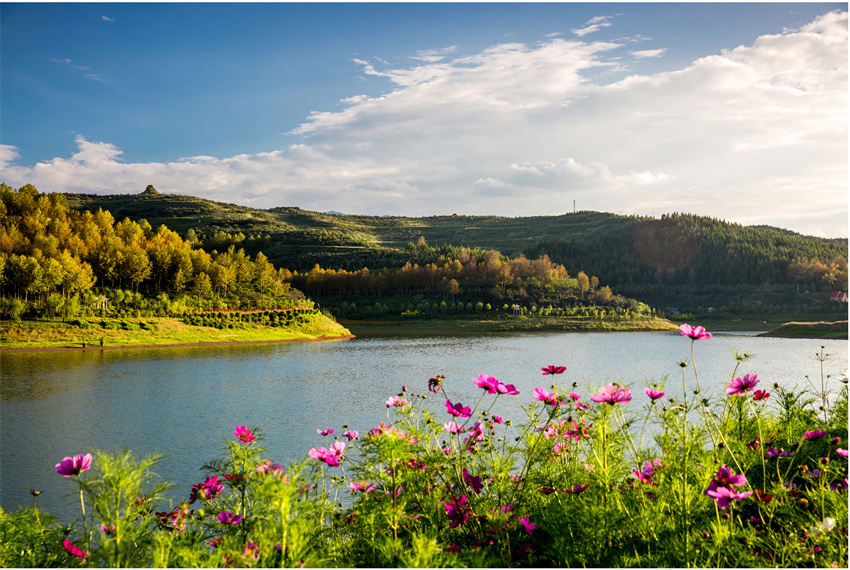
<point x="351" y="434"/>
<point x="612" y="394"/>
<point x="206" y="490"/>
<point x="229" y="518"/>
<point x="653" y="394"/>
<point x="325" y="432"/>
<point x="74" y="465"/>
<point x="761" y="395"/>
<point x="815" y="435"/>
<point x="474" y="482"/>
<point x="458" y="409"/>
<point x="362" y="487"/>
<point x="720" y="489"/>
<point x="529" y="526"/>
<point x="74" y="551"/>
<point x="552" y="369"/>
<point x="696" y="333"/>
<point x="740" y="386"/>
<point x="458" y="511"/>
<point x="244" y="435"/>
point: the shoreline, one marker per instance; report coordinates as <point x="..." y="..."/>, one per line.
<point x="176" y="345"/>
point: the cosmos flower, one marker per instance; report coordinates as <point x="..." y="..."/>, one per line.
<point x="74" y="551"/>
<point x="229" y="518"/>
<point x="740" y="386"/>
<point x="551" y="369"/>
<point x="612" y="394"/>
<point x="653" y="394"/>
<point x="244" y="435"/>
<point x="74" y="465"/>
<point x="695" y="333"/>
<point x="435" y="383"/>
<point x="397" y="401"/>
<point x="458" y="409"/>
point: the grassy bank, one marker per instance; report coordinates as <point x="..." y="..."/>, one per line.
<point x="810" y="330"/>
<point x="517" y="323"/>
<point x="45" y="333"/>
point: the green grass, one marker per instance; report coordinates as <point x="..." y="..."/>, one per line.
<point x="818" y="329"/>
<point x="54" y="334"/>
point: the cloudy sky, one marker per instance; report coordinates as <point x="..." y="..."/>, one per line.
<point x="736" y="111"/>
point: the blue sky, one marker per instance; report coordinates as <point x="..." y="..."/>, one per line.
<point x="737" y="111"/>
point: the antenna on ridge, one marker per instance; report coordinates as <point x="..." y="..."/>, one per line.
<point x="574" y="206"/>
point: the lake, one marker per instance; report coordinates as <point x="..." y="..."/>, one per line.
<point x="186" y="402"/>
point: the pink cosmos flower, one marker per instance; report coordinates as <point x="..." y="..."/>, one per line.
<point x="74" y="551"/>
<point x="529" y="526"/>
<point x="330" y="456"/>
<point x="841" y="452"/>
<point x="544" y="396"/>
<point x="474" y="482"/>
<point x="351" y="434"/>
<point x="612" y="394"/>
<point x="325" y="432"/>
<point x="229" y="518"/>
<point x="107" y="528"/>
<point x="244" y="435"/>
<point x="815" y="435"/>
<point x="497" y="418"/>
<point x="397" y="401"/>
<point x="724" y="495"/>
<point x="486" y="382"/>
<point x="270" y="468"/>
<point x="452" y="427"/>
<point x="492" y="386"/>
<point x="760" y="395"/>
<point x="577" y="489"/>
<point x="458" y="409"/>
<point x="551" y="369"/>
<point x="695" y="333"/>
<point x="574" y="396"/>
<point x="435" y="383"/>
<point x="74" y="465"/>
<point x="362" y="487"/>
<point x="582" y="407"/>
<point x="740" y="386"/>
<point x="653" y="394"/>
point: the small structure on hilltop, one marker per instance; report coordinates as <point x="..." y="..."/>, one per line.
<point x="839" y="296"/>
<point x="151" y="191"/>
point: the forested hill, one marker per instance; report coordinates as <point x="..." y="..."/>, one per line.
<point x="680" y="259"/>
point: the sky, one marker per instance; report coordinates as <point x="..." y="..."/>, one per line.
<point x="738" y="111"/>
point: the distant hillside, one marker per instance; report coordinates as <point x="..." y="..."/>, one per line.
<point x="681" y="260"/>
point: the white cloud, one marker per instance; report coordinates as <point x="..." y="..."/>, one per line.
<point x="649" y="53"/>
<point x="756" y="134"/>
<point x="107" y="19"/>
<point x="593" y="25"/>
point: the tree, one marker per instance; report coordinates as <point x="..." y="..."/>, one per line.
<point x="583" y="282"/>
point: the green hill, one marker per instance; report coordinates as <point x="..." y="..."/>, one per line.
<point x="681" y="261"/>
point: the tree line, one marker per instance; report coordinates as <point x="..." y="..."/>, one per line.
<point x="47" y="250"/>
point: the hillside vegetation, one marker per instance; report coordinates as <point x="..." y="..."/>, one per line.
<point x="680" y="263"/>
<point x="58" y="261"/>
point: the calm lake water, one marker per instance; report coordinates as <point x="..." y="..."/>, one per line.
<point x="185" y="403"/>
